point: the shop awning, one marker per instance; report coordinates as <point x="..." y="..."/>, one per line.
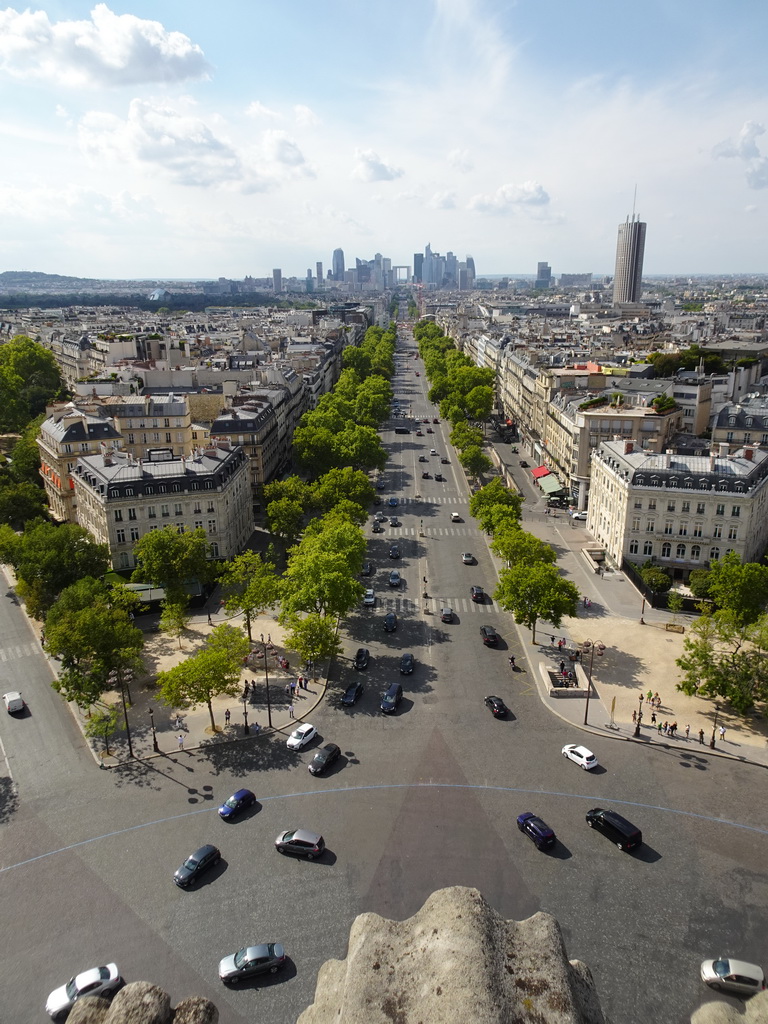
<point x="539" y="472"/>
<point x="550" y="484"/>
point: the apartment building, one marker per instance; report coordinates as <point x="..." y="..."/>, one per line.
<point x="120" y="498"/>
<point x="742" y="423"/>
<point x="682" y="511"/>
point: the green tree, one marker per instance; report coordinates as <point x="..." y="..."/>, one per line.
<point x="21" y="503"/>
<point x="340" y="484"/>
<point x="739" y="587"/>
<point x="494" y="493"/>
<point x="479" y="403"/>
<point x="25" y="455"/>
<point x="655" y="578"/>
<point x="29" y="379"/>
<point x="313" y="449"/>
<point x="723" y="656"/>
<point x="314" y="637"/>
<point x="360" y="447"/>
<point x="292" y="487"/>
<point x="475" y="461"/>
<point x="174" y="619"/>
<point x="102" y="724"/>
<point x="320" y="581"/>
<point x="285" y="518"/>
<point x="250" y="586"/>
<point x="358" y="360"/>
<point x="533" y="592"/>
<point x="213" y="671"/>
<point x="517" y="547"/>
<point x="465" y="436"/>
<point x="172" y="560"/>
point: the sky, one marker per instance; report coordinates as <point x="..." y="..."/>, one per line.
<point x="190" y="140"/>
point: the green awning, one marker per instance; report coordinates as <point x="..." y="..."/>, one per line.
<point x="550" y="484"/>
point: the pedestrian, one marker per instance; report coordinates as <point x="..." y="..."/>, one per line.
<point x="722" y="732"/>
<point x="227" y="717"/>
<point x="256" y="728"/>
<point x="653" y="718"/>
<point x="290" y="710"/>
<point x="584" y="600"/>
<point x="562" y="666"/>
<point x="560" y="644"/>
<point x="552" y="641"/>
<point x="181" y="741"/>
<point x="701" y="735"/>
<point x="512" y="660"/>
<point x="687" y="731"/>
<point x="666" y="728"/>
<point x="589" y="602"/>
<point x="210" y="623"/>
<point x="660" y="728"/>
<point x="246" y="688"/>
<point x="634" y="716"/>
<point x="648" y="697"/>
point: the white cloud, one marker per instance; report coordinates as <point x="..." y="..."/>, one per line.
<point x="281" y="148"/>
<point x="370" y="167"/>
<point x="109" y="50"/>
<point x="305" y="116"/>
<point x="745" y="149"/>
<point x="508" y="198"/>
<point x="257" y="109"/>
<point x="461" y="160"/>
<point x="443" y="201"/>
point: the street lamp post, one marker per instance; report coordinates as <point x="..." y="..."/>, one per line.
<point x="266" y="677"/>
<point x="589" y="647"/>
<point x="714" y="727"/>
<point x="246" y="727"/>
<point x="154" y="733"/>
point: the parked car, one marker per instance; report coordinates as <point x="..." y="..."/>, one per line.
<point x="735" y="976"/>
<point x="579" y="515"/>
<point x="489" y="635"/>
<point x="98" y="981"/>
<point x="615" y="827"/>
<point x="369" y="598"/>
<point x="196" y="865"/>
<point x="394" y="578"/>
<point x="301" y="842"/>
<point x="376" y="499"/>
<point x="498" y="708"/>
<point x="240" y="801"/>
<point x="467" y="558"/>
<point x="324" y="758"/>
<point x="301" y="736"/>
<point x="537" y="830"/>
<point x="580" y="755"/>
<point x="394" y="551"/>
<point x="477" y="594"/>
<point x="390" y="622"/>
<point x="14" y="702"/>
<point x="381" y="485"/>
<point x="407" y="663"/>
<point x="352" y="694"/>
<point x="362" y="658"/>
<point x="391" y="699"/>
<point x="249" y="961"/>
<point x="446" y="614"/>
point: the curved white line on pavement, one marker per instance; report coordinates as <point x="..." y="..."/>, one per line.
<point x="595" y="800"/>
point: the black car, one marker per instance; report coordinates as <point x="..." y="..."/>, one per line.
<point x="394" y="551"/>
<point x="523" y="463"/>
<point x="352" y="694"/>
<point x="538" y="831"/>
<point x="425" y="475"/>
<point x="477" y="594"/>
<point x="394" y="578"/>
<point x="614" y="827"/>
<point x="381" y="486"/>
<point x="423" y="458"/>
<point x="377" y="528"/>
<point x="406" y="664"/>
<point x="362" y="658"/>
<point x="439" y="476"/>
<point x="498" y="708"/>
<point x="394" y="521"/>
<point x="367" y="569"/>
<point x="390" y="622"/>
<point x="446" y="614"/>
<point x="376" y="500"/>
<point x="489" y="635"/>
<point x="391" y="699"/>
<point x="196" y="865"/>
<point x="324" y="758"/>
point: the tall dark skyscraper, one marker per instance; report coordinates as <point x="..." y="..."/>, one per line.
<point x="337" y="265"/>
<point x="418" y="263"/>
<point x="630" y="250"/>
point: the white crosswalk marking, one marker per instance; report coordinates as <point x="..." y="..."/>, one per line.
<point x="3" y="655"/>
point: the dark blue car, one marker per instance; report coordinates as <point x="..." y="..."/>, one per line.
<point x="538" y="831"/>
<point x="236" y="804"/>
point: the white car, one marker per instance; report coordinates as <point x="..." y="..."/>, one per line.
<point x="98" y="981"/>
<point x="433" y="451"/>
<point x="583" y="757"/>
<point x="468" y="558"/>
<point x="579" y="515"/>
<point x="455" y="517"/>
<point x="300" y="737"/>
<point x="369" y="598"/>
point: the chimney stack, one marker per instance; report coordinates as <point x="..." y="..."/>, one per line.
<point x="629" y="446"/>
<point x="749" y="454"/>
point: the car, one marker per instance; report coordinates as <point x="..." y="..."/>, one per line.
<point x="446" y="614"/>
<point x="426" y="419"/>
<point x="324" y="758"/>
<point x="423" y="458"/>
<point x="430" y="430"/>
<point x="301" y="736"/>
<point x="98" y="981"/>
<point x="455" y="517"/>
<point x="498" y="707"/>
<point x="300" y="841"/>
<point x="523" y="463"/>
<point x="394" y="551"/>
<point x="362" y="658"/>
<point x="240" y="801"/>
<point x="579" y="515"/>
<point x="477" y="594"/>
<point x="425" y="475"/>
<point x="735" y="976"/>
<point x="614" y="827"/>
<point x="369" y="598"/>
<point x="393" y="502"/>
<point x="432" y="451"/>
<point x="445" y="461"/>
<point x="381" y="485"/>
<point x="268" y="958"/>
<point x="352" y="694"/>
<point x="391" y="699"/>
<point x="468" y="558"/>
<point x="390" y="622"/>
<point x="538" y="831"/>
<point x="407" y="663"/>
<point x="394" y="521"/>
<point x="439" y="476"/>
<point x="377" y="528"/>
<point x="580" y="755"/>
<point x="435" y="419"/>
<point x="489" y="635"/>
<point x="367" y="569"/>
<point x="394" y="578"/>
<point x="418" y="374"/>
<point x="196" y="865"/>
<point x="14" y="702"/>
<point x="402" y="430"/>
<point x="379" y="517"/>
<point x="376" y="499"/>
<point x="419" y="433"/>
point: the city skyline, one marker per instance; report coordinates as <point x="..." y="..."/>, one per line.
<point x="179" y="148"/>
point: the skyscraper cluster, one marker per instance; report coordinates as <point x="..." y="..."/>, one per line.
<point x="436" y="271"/>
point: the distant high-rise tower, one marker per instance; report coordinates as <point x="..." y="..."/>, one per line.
<point x="338" y="265"/>
<point x="418" y="263"/>
<point x="543" y="275"/>
<point x="277" y="281"/>
<point x="470" y="271"/>
<point x="630" y="249"/>
<point x="319" y="269"/>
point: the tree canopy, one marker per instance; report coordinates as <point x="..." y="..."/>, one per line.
<point x="533" y="592"/>
<point x="249" y="585"/>
<point x="726" y="656"/>
<point x="172" y="560"/>
<point x="29" y="380"/>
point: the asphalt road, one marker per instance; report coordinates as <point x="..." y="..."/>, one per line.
<point x="422" y="799"/>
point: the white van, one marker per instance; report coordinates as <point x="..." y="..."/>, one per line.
<point x="455" y="517"/>
<point x="14" y="703"/>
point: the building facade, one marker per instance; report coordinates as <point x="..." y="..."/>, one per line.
<point x="630" y="250"/>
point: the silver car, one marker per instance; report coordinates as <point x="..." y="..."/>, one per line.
<point x="98" y="981"/>
<point x="268" y="957"/>
<point x="735" y="976"/>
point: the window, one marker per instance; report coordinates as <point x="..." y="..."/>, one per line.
<point x="686" y="507"/>
<point x="156" y="437"/>
<point x="671" y="504"/>
<point x="695" y="552"/>
<point x="714" y="554"/>
<point x="180" y="528"/>
<point x="729" y="435"/>
<point x="215" y="550"/>
<point x="638" y="504"/>
<point x="648" y="547"/>
<point x="736" y="511"/>
<point x="680" y="553"/>
<point x="165" y="511"/>
<point x="211" y="526"/>
<point x="650" y="526"/>
<point x="633" y="547"/>
<point x="197" y="510"/>
<point x="120" y="536"/>
<point x="67" y="449"/>
<point x="697" y="529"/>
<point x="211" y="507"/>
<point x="668" y="526"/>
<point x="134" y="533"/>
<point x="700" y="508"/>
<point x="124" y="560"/>
<point x="151" y="512"/>
<point x="636" y="523"/>
<point x="166" y="422"/>
<point x="666" y="549"/>
<point x="177" y="509"/>
<point x="720" y="510"/>
<point x="733" y="532"/>
<point x="168" y="437"/>
<point x="651" y="504"/>
<point x="132" y="514"/>
<point x="717" y="531"/>
<point x="118" y="515"/>
<point x="683" y="531"/>
<point x="198" y="524"/>
<point x="131" y="439"/>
